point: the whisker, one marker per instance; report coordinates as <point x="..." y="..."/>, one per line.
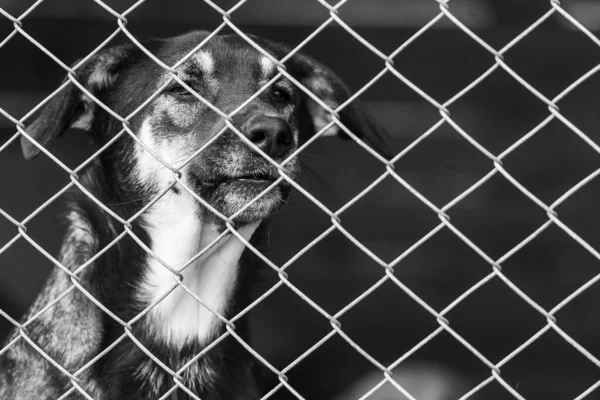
<point x="311" y="172"/>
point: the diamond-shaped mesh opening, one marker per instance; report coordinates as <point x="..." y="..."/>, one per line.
<point x="577" y="212"/>
<point x="483" y="320"/>
<point x="445" y="351"/>
<point x="282" y="247"/>
<point x="562" y="160"/>
<point x="577" y="317"/>
<point x="61" y="42"/>
<point x="335" y="359"/>
<point x="400" y="322"/>
<point x="442" y="166"/>
<point x="282" y="324"/>
<point x="405" y="115"/>
<point x="539" y="369"/>
<point x="578" y="104"/>
<point x="441" y="69"/>
<point x="414" y="377"/>
<point x="541" y="268"/>
<point x="367" y="23"/>
<point x="498" y="121"/>
<point x="332" y="180"/>
<point x="514" y="23"/>
<point x="513" y="214"/>
<point x="28" y="69"/>
<point x="441" y="269"/>
<point x="284" y="15"/>
<point x="366" y="64"/>
<point x="175" y="16"/>
<point x="578" y="54"/>
<point x="379" y="219"/>
<point x="315" y="272"/>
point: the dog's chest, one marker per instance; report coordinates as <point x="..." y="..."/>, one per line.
<point x="190" y="311"/>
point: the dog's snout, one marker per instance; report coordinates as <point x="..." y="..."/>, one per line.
<point x="271" y="134"/>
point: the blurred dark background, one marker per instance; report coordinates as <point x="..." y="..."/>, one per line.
<point x="389" y="219"/>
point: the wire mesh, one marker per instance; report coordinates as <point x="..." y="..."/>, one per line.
<point x="443" y="212"/>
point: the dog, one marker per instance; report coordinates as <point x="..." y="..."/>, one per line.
<point x="126" y="305"/>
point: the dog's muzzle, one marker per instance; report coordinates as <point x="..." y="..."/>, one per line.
<point x="232" y="175"/>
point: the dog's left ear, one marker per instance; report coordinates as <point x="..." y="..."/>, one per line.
<point x="324" y="84"/>
<point x="71" y="107"/>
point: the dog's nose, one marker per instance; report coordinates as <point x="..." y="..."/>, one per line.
<point x="271" y="134"/>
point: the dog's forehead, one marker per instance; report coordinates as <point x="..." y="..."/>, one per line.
<point x="223" y="56"/>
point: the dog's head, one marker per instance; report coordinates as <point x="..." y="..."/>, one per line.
<point x="226" y="72"/>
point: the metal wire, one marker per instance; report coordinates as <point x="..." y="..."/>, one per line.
<point x="387" y="170"/>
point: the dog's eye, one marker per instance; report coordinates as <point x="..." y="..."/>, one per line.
<point x="180" y="91"/>
<point x="280" y="96"/>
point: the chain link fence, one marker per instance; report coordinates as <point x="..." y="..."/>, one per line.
<point x="336" y="216"/>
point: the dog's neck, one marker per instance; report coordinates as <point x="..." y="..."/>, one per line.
<point x="127" y="280"/>
<point x="178" y="235"/>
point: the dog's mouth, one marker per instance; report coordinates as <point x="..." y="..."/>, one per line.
<point x="253" y="190"/>
<point x="253" y="178"/>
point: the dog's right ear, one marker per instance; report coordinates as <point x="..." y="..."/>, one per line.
<point x="71" y="107"/>
<point x="332" y="91"/>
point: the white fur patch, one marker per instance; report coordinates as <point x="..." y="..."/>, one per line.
<point x="321" y="118"/>
<point x="267" y="66"/>
<point x="101" y="79"/>
<point x="206" y="62"/>
<point x="319" y="85"/>
<point x="78" y="225"/>
<point x="150" y="169"/>
<point x="84" y="122"/>
<point x="177" y="234"/>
